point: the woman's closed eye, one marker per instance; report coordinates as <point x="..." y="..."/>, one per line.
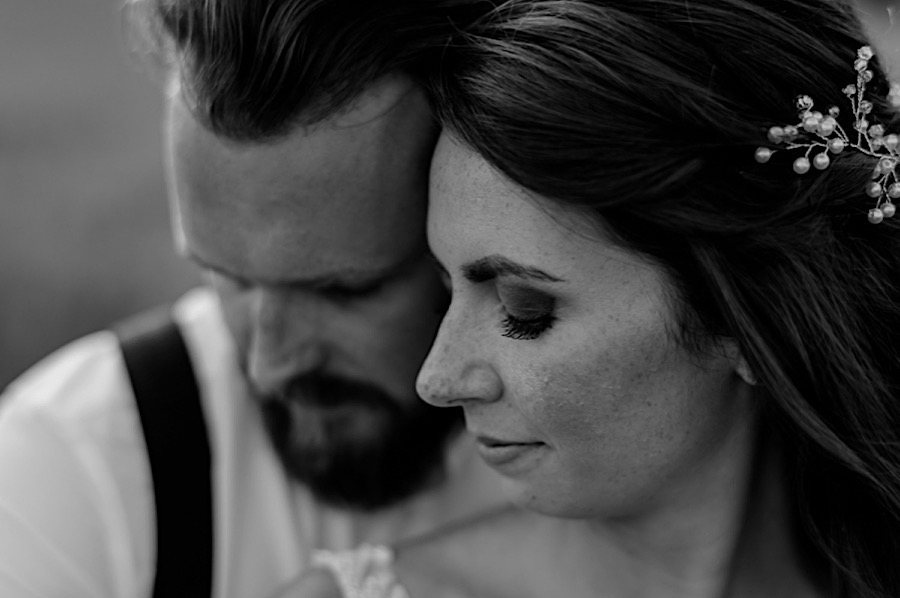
<point x="528" y="311"/>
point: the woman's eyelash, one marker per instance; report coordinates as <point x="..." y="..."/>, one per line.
<point x="526" y="328"/>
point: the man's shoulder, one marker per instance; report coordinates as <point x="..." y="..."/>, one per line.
<point x="72" y="471"/>
<point x="87" y="377"/>
<point x="83" y="375"/>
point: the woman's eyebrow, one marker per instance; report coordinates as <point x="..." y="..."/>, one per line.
<point x="492" y="266"/>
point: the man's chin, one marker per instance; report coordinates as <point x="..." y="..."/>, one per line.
<point x="360" y="456"/>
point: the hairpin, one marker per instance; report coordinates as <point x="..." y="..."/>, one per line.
<point x="817" y="131"/>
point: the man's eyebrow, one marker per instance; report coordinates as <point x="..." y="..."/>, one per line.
<point x="493" y="266"/>
<point x="347" y="280"/>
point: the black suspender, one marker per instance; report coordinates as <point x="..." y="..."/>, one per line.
<point x="175" y="432"/>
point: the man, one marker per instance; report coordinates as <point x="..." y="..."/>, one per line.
<point x="298" y="145"/>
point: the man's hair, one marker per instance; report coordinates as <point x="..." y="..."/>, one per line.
<point x="254" y="69"/>
<point x="646" y="114"/>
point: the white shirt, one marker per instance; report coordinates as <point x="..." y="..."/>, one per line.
<point x="76" y="498"/>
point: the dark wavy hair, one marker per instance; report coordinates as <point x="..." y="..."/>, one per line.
<point x="254" y="69"/>
<point x="646" y="114"/>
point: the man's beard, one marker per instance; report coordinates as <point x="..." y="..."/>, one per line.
<point x="353" y="445"/>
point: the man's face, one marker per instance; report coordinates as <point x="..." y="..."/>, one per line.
<point x="316" y="246"/>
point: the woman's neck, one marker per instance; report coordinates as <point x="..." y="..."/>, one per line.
<point x="726" y="533"/>
<point x="681" y="542"/>
<point x="769" y="559"/>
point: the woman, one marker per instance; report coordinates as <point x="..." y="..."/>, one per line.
<point x="684" y="359"/>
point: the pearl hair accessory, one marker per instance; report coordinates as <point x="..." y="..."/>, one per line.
<point x="816" y="131"/>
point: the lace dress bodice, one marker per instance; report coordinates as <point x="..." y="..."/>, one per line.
<point x="364" y="572"/>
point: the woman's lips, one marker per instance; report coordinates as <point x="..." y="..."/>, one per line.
<point x="508" y="457"/>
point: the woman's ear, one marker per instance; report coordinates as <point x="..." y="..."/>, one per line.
<point x="743" y="370"/>
<point x="741" y="367"/>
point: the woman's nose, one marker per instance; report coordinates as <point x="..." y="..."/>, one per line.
<point x="459" y="368"/>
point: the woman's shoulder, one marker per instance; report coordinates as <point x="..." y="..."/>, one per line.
<point x="491" y="557"/>
<point x="503" y="554"/>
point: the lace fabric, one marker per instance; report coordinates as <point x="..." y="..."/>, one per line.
<point x="364" y="572"/>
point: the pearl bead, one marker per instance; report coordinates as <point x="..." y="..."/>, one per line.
<point x="873" y="189"/>
<point x="763" y="154"/>
<point x="776" y="135"/>
<point x="826" y="127"/>
<point x="888" y="210"/>
<point x="810" y="124"/>
<point x="804" y="102"/>
<point x="875" y="215"/>
<point x="892" y="141"/>
<point x="821" y="161"/>
<point x="801" y="165"/>
<point x="894" y="191"/>
<point x="836" y="146"/>
<point x="790" y="133"/>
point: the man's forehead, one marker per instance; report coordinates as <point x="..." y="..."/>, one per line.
<point x="341" y="203"/>
<point x="282" y="240"/>
<point x="325" y="172"/>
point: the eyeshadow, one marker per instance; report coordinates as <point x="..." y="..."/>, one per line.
<point x="524" y="300"/>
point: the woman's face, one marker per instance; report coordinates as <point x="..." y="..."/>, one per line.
<point x="560" y="347"/>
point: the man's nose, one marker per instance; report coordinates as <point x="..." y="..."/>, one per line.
<point x="458" y="369"/>
<point x="286" y="338"/>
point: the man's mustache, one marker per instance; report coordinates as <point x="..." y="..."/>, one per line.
<point x="324" y="391"/>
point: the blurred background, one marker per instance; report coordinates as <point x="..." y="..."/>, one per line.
<point x="84" y="233"/>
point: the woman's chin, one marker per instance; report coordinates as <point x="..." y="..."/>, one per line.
<point x="554" y="497"/>
<point x="541" y="498"/>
